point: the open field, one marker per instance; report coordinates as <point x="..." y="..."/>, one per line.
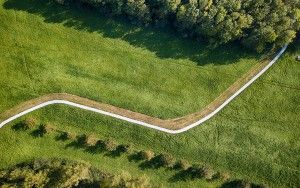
<point x="255" y="137"/>
<point x="48" y="146"/>
<point x="45" y="49"/>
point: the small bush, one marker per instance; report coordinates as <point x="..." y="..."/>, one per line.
<point x="71" y="135"/>
<point x="30" y="122"/>
<point x="91" y="140"/>
<point x="47" y="128"/>
<point x="207" y="173"/>
<point x="26" y="124"/>
<point x="224" y="176"/>
<point x="126" y="180"/>
<point x="182" y="164"/>
<point x="146" y="155"/>
<point x="110" y="145"/>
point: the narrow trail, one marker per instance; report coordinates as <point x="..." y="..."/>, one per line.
<point x="173" y="126"/>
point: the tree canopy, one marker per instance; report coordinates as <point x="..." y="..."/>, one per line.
<point x="64" y="173"/>
<point x="257" y="24"/>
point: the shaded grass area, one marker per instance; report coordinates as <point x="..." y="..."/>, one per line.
<point x="256" y="137"/>
<point x="47" y="48"/>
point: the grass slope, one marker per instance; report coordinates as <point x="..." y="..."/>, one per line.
<point x="256" y="137"/>
<point x="46" y="48"/>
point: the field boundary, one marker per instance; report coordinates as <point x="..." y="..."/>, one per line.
<point x="172" y="126"/>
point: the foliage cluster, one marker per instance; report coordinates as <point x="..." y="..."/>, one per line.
<point x="81" y="174"/>
<point x="256" y="24"/>
<point x="64" y="173"/>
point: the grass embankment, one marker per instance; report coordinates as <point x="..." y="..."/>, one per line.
<point x="46" y="48"/>
<point x="256" y="137"/>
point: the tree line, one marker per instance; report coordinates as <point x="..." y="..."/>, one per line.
<point x="256" y="24"/>
<point x="57" y="172"/>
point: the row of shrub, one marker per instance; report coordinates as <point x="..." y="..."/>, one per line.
<point x="91" y="141"/>
<point x="256" y="24"/>
<point x="151" y="159"/>
<point x="66" y="174"/>
<point x="31" y="123"/>
<point x="187" y="171"/>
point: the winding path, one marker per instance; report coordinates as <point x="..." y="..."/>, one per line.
<point x="173" y="126"/>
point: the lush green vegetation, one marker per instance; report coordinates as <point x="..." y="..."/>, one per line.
<point x="62" y="173"/>
<point x="254" y="138"/>
<point x="47" y="49"/>
<point x="256" y="23"/>
<point x="104" y="153"/>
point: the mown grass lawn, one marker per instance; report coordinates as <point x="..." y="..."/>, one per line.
<point x="46" y="48"/>
<point x="256" y="137"/>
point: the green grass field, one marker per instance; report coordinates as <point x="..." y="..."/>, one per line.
<point x="45" y="49"/>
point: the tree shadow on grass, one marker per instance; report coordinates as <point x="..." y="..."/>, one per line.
<point x="114" y="154"/>
<point x="164" y="43"/>
<point x="19" y="126"/>
<point x="186" y="175"/>
<point x="61" y="136"/>
<point x="134" y="157"/>
<point x="120" y="150"/>
<point x="39" y="132"/>
<point x="78" y="143"/>
<point x="94" y="149"/>
<point x="182" y="175"/>
<point x="241" y="183"/>
<point x="154" y="163"/>
<point x="149" y="165"/>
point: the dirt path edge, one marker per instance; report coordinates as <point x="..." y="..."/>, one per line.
<point x="173" y="126"/>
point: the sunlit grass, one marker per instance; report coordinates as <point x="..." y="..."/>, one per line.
<point x="44" y="49"/>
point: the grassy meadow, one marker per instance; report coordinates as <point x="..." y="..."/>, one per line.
<point x="45" y="48"/>
<point x="256" y="137"/>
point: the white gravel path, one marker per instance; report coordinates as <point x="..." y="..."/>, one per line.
<point x="141" y="123"/>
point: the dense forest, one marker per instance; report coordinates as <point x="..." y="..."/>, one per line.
<point x="257" y="24"/>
